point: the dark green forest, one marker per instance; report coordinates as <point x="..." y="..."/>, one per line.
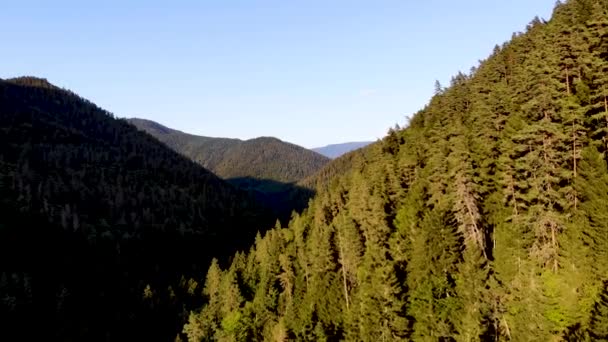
<point x="486" y="218"/>
<point x="337" y="150"/>
<point x="260" y="158"/>
<point x="266" y="167"/>
<point x="104" y="231"/>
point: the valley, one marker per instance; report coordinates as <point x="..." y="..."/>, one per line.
<point x="483" y="218"/>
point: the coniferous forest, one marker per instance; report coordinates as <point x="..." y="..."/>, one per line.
<point x="104" y="231"/>
<point x="263" y="158"/>
<point x="485" y="218"/>
<point x="268" y="168"/>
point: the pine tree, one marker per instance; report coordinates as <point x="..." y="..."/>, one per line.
<point x="595" y="71"/>
<point x="206" y="323"/>
<point x="436" y="250"/>
<point x="599" y="317"/>
<point x="350" y="249"/>
<point x="593" y="214"/>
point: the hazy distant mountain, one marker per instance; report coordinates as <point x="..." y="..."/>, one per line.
<point x="336" y="150"/>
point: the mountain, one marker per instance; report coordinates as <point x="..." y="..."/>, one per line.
<point x="336" y="150"/>
<point x="483" y="220"/>
<point x="260" y="158"/>
<point x="266" y="167"/>
<point x="336" y="168"/>
<point x="102" y="227"/>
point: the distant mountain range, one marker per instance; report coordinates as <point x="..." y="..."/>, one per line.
<point x="261" y="158"/>
<point x="336" y="150"/>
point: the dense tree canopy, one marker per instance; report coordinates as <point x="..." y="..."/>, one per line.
<point x="260" y="158"/>
<point x="484" y="219"/>
<point x="266" y="167"/>
<point x="102" y="228"/>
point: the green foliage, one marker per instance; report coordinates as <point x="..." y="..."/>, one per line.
<point x="599" y="317"/>
<point x="266" y="167"/>
<point x="261" y="158"/>
<point x="485" y="219"/>
<point x="103" y="230"/>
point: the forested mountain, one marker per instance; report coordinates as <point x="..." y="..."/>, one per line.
<point x="337" y="168"/>
<point x="267" y="168"/>
<point x="337" y="150"/>
<point x="484" y="219"/>
<point x="102" y="227"/>
<point x="260" y="158"/>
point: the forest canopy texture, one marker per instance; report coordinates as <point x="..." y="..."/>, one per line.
<point x="103" y="229"/>
<point x="266" y="167"/>
<point x="485" y="219"/>
<point x="262" y="158"/>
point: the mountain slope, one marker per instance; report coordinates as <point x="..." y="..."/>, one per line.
<point x="485" y="219"/>
<point x="265" y="167"/>
<point x="336" y="150"/>
<point x="335" y="169"/>
<point x="260" y="158"/>
<point x="101" y="221"/>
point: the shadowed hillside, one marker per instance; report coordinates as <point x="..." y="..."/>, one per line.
<point x="266" y="167"/>
<point x="101" y="226"/>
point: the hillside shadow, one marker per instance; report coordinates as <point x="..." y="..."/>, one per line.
<point x="281" y="198"/>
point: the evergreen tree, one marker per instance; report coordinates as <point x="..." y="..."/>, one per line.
<point x="599" y="317"/>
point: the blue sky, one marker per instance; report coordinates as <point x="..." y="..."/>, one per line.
<point x="310" y="72"/>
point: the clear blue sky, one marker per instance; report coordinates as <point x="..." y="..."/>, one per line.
<point x="311" y="72"/>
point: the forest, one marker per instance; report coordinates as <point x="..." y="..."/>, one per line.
<point x="268" y="168"/>
<point x="261" y="158"/>
<point x="484" y="217"/>
<point x="103" y="230"/>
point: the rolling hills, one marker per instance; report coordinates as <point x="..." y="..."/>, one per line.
<point x="268" y="168"/>
<point x="263" y="158"/>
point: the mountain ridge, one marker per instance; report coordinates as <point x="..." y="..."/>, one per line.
<point x="261" y="157"/>
<point x="94" y="212"/>
<point x="267" y="167"/>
